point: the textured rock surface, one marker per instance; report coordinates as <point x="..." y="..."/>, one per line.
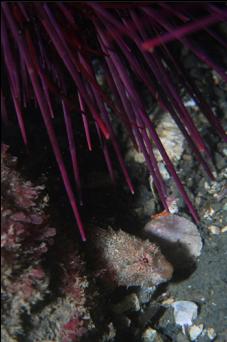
<point x="32" y="310"/>
<point x="171" y="137"/>
<point x="184" y="313"/>
<point x="177" y="229"/>
<point x="25" y="239"/>
<point x="178" y="236"/>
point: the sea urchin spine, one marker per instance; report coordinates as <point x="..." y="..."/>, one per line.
<point x="42" y="42"/>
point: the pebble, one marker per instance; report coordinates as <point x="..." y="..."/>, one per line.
<point x="133" y="154"/>
<point x="163" y="171"/>
<point x="190" y="103"/>
<point x="111" y="333"/>
<point x="151" y="335"/>
<point x="195" y="331"/>
<point x="220" y="161"/>
<point x="224" y="229"/>
<point x="171" y="138"/>
<point x="130" y="303"/>
<point x="184" y="313"/>
<point x="211" y="333"/>
<point x="172" y="203"/>
<point x="198" y="200"/>
<point x="206" y="185"/>
<point x="176" y="230"/>
<point x="168" y="301"/>
<point x="216" y="77"/>
<point x="149" y="207"/>
<point x="145" y="294"/>
<point x="214" y="230"/>
<point x="208" y="213"/>
<point x="181" y="338"/>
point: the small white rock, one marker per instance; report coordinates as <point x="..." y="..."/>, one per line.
<point x="133" y="154"/>
<point x="190" y="103"/>
<point x="224" y="229"/>
<point x="184" y="313"/>
<point x="172" y="204"/>
<point x="171" y="138"/>
<point x="211" y="333"/>
<point x="163" y="171"/>
<point x="168" y="301"/>
<point x="214" y="230"/>
<point x="206" y="186"/>
<point x="195" y="331"/>
<point x="149" y="335"/>
<point x="225" y="151"/>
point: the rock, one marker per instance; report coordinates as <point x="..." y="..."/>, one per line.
<point x="190" y="103"/>
<point x="149" y="207"/>
<point x="178" y="238"/>
<point x="176" y="229"/>
<point x="220" y="161"/>
<point x="111" y="334"/>
<point x="208" y="212"/>
<point x="173" y="142"/>
<point x="195" y="331"/>
<point x="134" y="155"/>
<point x="163" y="171"/>
<point x="151" y="335"/>
<point x="171" y="138"/>
<point x="145" y="294"/>
<point x="168" y="301"/>
<point x="181" y="338"/>
<point x="214" y="230"/>
<point x="149" y="313"/>
<point x="211" y="333"/>
<point x="172" y="203"/>
<point x="224" y="229"/>
<point x="184" y="313"/>
<point x="129" y="304"/>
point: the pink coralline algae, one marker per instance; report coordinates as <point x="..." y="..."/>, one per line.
<point x="74" y="287"/>
<point x="125" y="260"/>
<point x="70" y="330"/>
<point x="25" y="238"/>
<point x="68" y="317"/>
<point x="25" y="229"/>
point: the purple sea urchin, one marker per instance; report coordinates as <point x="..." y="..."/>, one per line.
<point x="45" y="43"/>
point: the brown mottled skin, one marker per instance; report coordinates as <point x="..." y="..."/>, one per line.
<point x="126" y="260"/>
